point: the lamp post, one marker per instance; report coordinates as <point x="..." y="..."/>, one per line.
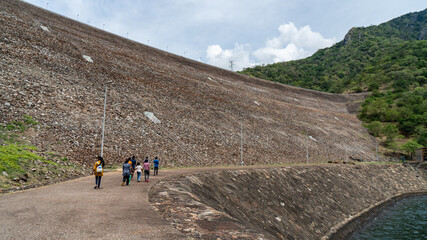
<point x="376" y="150"/>
<point x="241" y="142"/>
<point x="306" y="145"/>
<point x="103" y="119"/>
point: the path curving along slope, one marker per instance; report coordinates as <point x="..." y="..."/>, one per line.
<point x="75" y="210"/>
<point x="268" y="202"/>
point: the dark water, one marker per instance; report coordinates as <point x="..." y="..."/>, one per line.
<point x="407" y="219"/>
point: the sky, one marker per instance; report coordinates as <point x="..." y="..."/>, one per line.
<point x="245" y="33"/>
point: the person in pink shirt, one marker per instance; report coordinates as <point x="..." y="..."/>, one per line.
<point x="146" y="167"/>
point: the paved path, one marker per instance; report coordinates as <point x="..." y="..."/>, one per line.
<point x="75" y="210"/>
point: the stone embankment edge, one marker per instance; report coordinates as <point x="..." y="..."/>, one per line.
<point x="38" y="185"/>
<point x="344" y="229"/>
<point x="44" y="184"/>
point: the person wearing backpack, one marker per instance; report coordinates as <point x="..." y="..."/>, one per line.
<point x="98" y="169"/>
<point x="126" y="172"/>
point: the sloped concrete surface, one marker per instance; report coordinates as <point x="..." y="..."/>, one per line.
<point x="306" y="202"/>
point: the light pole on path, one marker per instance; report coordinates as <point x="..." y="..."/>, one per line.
<point x="103" y="119"/>
<point x="241" y="142"/>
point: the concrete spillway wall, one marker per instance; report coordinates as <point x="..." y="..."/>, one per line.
<point x="304" y="202"/>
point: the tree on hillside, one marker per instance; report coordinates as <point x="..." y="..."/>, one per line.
<point x="374" y="128"/>
<point x="421" y="135"/>
<point x="410" y="146"/>
<point x="390" y="130"/>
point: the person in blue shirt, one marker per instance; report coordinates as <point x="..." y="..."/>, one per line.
<point x="156" y="166"/>
<point x="126" y="172"/>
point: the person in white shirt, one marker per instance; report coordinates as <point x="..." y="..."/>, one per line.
<point x="138" y="170"/>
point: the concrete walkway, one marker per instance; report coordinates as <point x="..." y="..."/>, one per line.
<point x="75" y="210"/>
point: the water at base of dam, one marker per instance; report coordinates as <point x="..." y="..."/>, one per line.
<point x="407" y="219"/>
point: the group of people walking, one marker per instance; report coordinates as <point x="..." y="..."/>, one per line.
<point x="128" y="170"/>
<point x="130" y="166"/>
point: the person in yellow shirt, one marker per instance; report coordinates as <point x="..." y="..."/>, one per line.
<point x="98" y="169"/>
<point x="132" y="169"/>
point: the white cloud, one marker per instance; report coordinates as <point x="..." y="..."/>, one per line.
<point x="278" y="54"/>
<point x="219" y="57"/>
<point x="291" y="44"/>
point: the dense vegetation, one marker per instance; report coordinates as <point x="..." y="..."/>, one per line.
<point x="388" y="60"/>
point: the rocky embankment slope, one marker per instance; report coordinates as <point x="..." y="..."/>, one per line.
<point x="56" y="69"/>
<point x="305" y="202"/>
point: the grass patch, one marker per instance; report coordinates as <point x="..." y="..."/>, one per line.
<point x="14" y="157"/>
<point x="380" y="163"/>
<point x="239" y="166"/>
<point x="113" y="166"/>
<point x="21" y="126"/>
<point x="22" y="164"/>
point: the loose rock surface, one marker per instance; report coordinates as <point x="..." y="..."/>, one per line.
<point x="201" y="108"/>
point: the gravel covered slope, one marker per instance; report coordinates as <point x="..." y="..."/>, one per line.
<point x="43" y="74"/>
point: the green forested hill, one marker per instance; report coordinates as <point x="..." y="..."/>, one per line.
<point x="389" y="60"/>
